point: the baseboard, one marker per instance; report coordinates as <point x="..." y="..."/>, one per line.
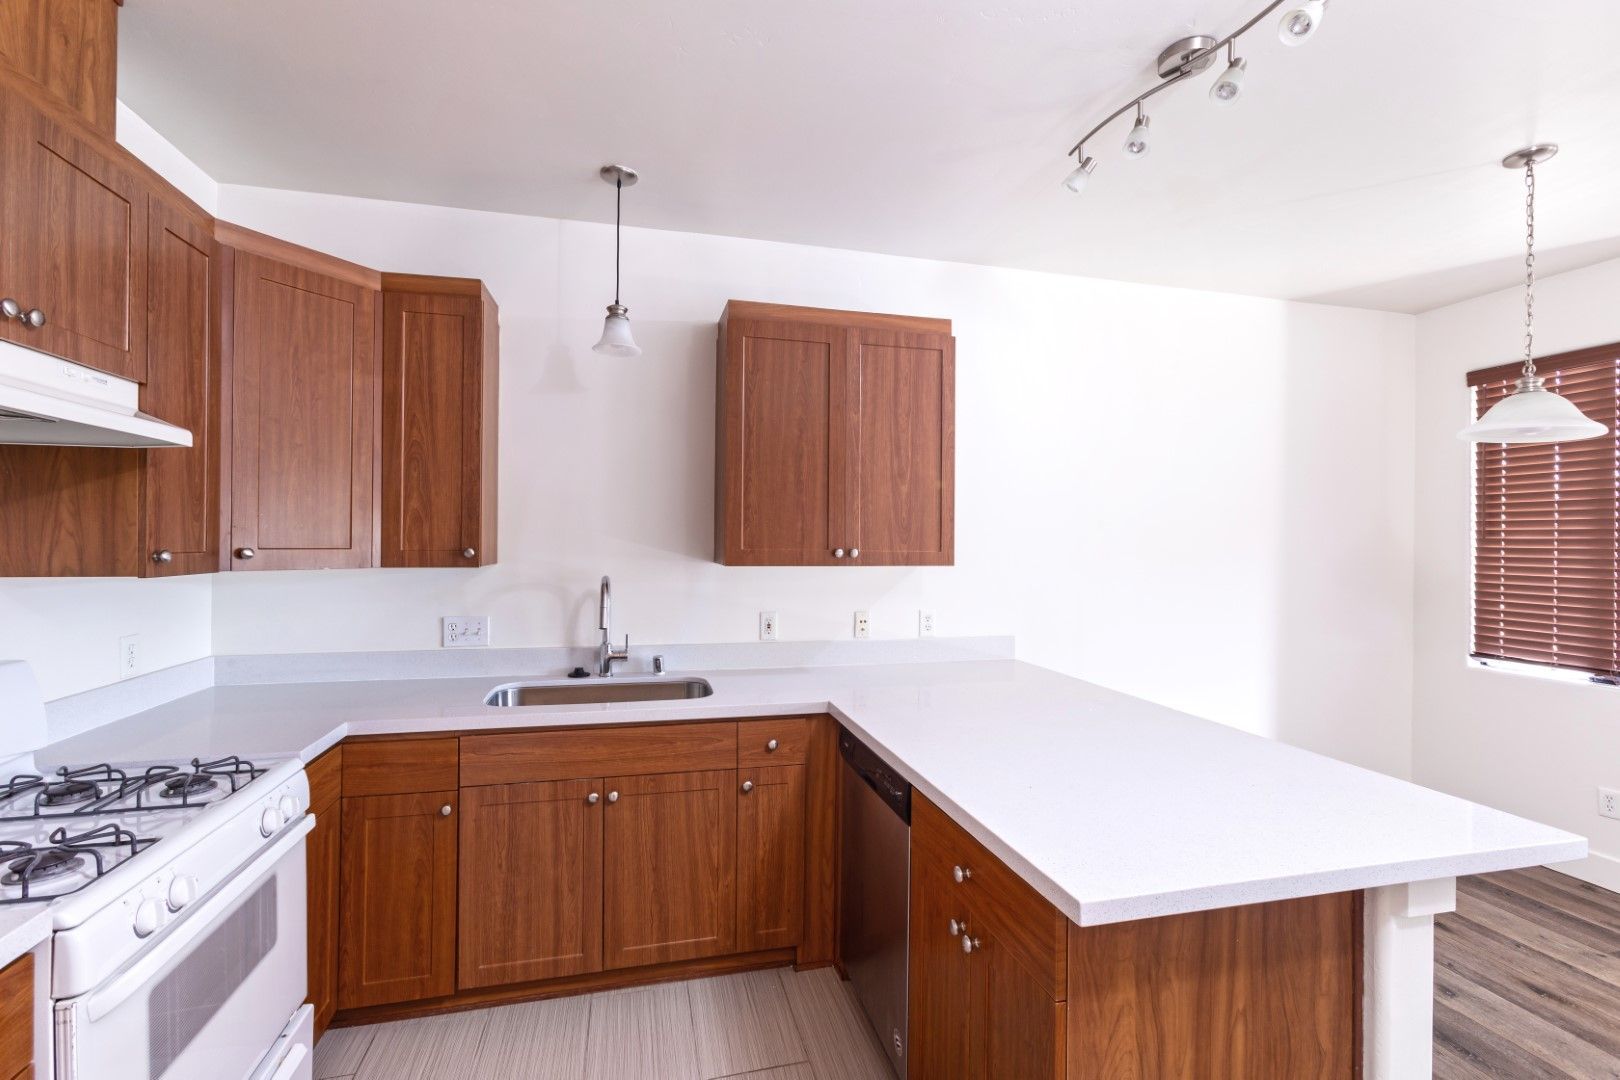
<point x="1596" y="869"/>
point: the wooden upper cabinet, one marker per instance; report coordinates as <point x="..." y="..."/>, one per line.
<point x="531" y="882"/>
<point x="304" y="407"/>
<point x="440" y="372"/>
<point x="397" y="939"/>
<point x="669" y="876"/>
<point x="74" y="242"/>
<point x="181" y="518"/>
<point x="68" y="47"/>
<point x="835" y="440"/>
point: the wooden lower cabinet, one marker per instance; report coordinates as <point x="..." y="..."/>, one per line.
<point x="939" y="987"/>
<point x="323" y="867"/>
<point x="398" y="921"/>
<point x="770" y="857"/>
<point x="17" y="1017"/>
<point x="669" y="874"/>
<point x="531" y="882"/>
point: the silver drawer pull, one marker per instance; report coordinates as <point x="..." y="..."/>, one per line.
<point x="613" y="796"/>
<point x="961" y="874"/>
<point x="444" y="811"/>
<point x="593" y="798"/>
<point x="748" y="785"/>
<point x="770" y="747"/>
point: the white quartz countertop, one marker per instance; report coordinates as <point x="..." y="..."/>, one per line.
<point x="22" y="926"/>
<point x="1112" y="807"/>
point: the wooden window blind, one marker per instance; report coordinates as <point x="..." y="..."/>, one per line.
<point x="1547" y="527"/>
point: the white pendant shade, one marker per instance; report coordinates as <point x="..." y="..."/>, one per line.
<point x="1532" y="414"/>
<point x="616" y="339"/>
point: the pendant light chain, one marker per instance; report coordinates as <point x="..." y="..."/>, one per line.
<point x="618" y="221"/>
<point x="1529" y="270"/>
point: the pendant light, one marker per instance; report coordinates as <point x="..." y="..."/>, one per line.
<point x="616" y="339"/>
<point x="1531" y="413"/>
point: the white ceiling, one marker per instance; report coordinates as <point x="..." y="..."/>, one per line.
<point x="1359" y="169"/>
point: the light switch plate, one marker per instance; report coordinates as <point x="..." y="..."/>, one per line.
<point x="464" y="631"/>
<point x="129" y="656"/>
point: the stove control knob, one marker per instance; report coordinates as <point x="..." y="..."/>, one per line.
<point x="182" y="891"/>
<point x="269" y="822"/>
<point x="148" y="917"/>
<point x="288" y="807"/>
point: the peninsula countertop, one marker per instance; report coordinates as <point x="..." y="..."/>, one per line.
<point x="1112" y="807"/>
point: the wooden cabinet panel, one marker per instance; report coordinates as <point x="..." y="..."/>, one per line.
<point x="398" y="921"/>
<point x="669" y="867"/>
<point x="399" y="766"/>
<point x="70" y="47"/>
<point x="323" y="862"/>
<point x="781" y="495"/>
<point x="17" y="1016"/>
<point x="770" y="857"/>
<point x="613" y="750"/>
<point x="74" y="243"/>
<point x="531" y="882"/>
<point x="1017" y="1029"/>
<point x="905" y="486"/>
<point x="783" y="740"/>
<point x="939" y="989"/>
<point x="180" y="487"/>
<point x="303" y="418"/>
<point x="69" y="511"/>
<point x="439" y="384"/>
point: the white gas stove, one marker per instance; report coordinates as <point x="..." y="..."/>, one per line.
<point x="176" y="892"/>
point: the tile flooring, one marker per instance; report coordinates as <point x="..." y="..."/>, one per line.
<point x="763" y="1025"/>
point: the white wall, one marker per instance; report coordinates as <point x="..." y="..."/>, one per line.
<point x="1199" y="498"/>
<point x="1527" y="744"/>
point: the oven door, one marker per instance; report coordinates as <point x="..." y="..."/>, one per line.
<point x="212" y="996"/>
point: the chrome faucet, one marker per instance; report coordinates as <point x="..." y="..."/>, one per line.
<point x="606" y="654"/>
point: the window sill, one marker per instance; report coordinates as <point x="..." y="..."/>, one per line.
<point x="1545" y="674"/>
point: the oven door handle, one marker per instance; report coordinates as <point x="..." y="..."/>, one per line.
<point x="289" y="1064"/>
<point x="98" y="1003"/>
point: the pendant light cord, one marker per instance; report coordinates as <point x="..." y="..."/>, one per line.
<point x="1530" y="270"/>
<point x="618" y="219"/>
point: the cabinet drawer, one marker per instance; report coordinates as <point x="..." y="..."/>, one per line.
<point x="1022" y="920"/>
<point x="398" y="766"/>
<point x="777" y="741"/>
<point x="576" y="753"/>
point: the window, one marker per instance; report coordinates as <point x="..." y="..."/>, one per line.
<point x="1547" y="527"/>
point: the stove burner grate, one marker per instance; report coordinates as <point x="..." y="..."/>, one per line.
<point x="32" y="864"/>
<point x="41" y="866"/>
<point x="69" y="793"/>
<point x="186" y="785"/>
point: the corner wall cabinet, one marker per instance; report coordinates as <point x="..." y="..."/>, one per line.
<point x="835" y="438"/>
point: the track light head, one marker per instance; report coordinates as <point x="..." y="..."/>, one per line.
<point x="1300" y="22"/>
<point x="1230" y="84"/>
<point x="1136" y="143"/>
<point x="1077" y="180"/>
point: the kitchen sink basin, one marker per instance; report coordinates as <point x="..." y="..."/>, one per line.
<point x="597" y="691"/>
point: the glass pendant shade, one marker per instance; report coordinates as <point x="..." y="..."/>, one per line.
<point x="1532" y="414"/>
<point x="616" y="339"/>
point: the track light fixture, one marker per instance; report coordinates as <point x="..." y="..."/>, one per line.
<point x="1189" y="56"/>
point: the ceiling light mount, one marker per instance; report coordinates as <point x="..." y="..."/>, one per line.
<point x="1187" y="56"/>
<point x="618" y="174"/>
<point x="1530" y="155"/>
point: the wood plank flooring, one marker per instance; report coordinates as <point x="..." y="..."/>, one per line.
<point x="759" y="1025"/>
<point x="1527" y="979"/>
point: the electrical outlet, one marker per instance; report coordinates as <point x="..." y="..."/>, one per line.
<point x="925" y="623"/>
<point x="863" y="625"/>
<point x="767" y="626"/>
<point x="1609" y="802"/>
<point x="129" y="656"/>
<point x="464" y="631"/>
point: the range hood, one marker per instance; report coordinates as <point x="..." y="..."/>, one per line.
<point x="47" y="401"/>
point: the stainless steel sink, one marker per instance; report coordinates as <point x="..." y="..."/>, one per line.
<point x="597" y="691"/>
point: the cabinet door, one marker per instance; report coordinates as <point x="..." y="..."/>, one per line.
<point x="438" y="490"/>
<point x="69" y="47"/>
<point x="531" y="882"/>
<point x="770" y="857"/>
<point x="905" y="483"/>
<point x="939" y="990"/>
<point x="17" y="1017"/>
<point x="180" y="487"/>
<point x="784" y="444"/>
<point x="398" y="939"/>
<point x="1016" y="1028"/>
<point x="323" y="869"/>
<point x="303" y="419"/>
<point x="74" y="244"/>
<point x="669" y="867"/>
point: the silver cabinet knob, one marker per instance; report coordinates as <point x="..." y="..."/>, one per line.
<point x="444" y="811"/>
<point x="245" y="553"/>
<point x="957" y="928"/>
<point x="969" y="943"/>
<point x="854" y="553"/>
<point x="838" y="553"/>
<point x="593" y="798"/>
<point x="748" y="785"/>
<point x="163" y="556"/>
<point x="34" y="317"/>
<point x="961" y="874"/>
<point x="469" y="553"/>
<point x="770" y="747"/>
<point x="10" y="309"/>
<point x="613" y="796"/>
